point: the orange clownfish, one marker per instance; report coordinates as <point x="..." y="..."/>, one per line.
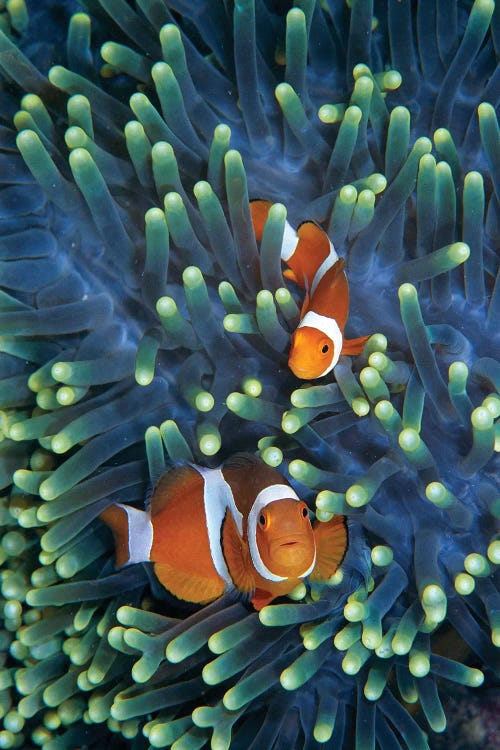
<point x="239" y="526"/>
<point x="313" y="264"/>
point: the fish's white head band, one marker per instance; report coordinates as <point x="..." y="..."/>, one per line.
<point x="330" y="328"/>
<point x="265" y="497"/>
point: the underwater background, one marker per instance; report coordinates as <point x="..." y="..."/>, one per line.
<point x="141" y="326"/>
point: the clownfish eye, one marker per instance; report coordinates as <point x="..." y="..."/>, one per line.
<point x="324" y="348"/>
<point x="262" y="521"/>
<point x="305" y="512"/>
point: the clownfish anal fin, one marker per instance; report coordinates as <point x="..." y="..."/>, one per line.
<point x="354" y="346"/>
<point x="189" y="587"/>
<point x="331" y="544"/>
<point x="259" y="210"/>
<point x="261" y="599"/>
<point x="116" y="518"/>
<point x="237" y="555"/>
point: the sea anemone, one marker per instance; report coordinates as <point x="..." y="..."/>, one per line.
<point x="141" y="326"/>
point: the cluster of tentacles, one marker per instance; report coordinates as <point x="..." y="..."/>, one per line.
<point x="140" y="325"/>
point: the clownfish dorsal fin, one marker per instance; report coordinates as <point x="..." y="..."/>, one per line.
<point x="259" y="210"/>
<point x="354" y="346"/>
<point x="261" y="599"/>
<point x="312" y="232"/>
<point x="179" y="481"/>
<point x="243" y="461"/>
<point x="117" y="519"/>
<point x="189" y="587"/>
<point x="237" y="556"/>
<point x="331" y="544"/>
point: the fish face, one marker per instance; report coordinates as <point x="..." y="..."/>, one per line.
<point x="285" y="538"/>
<point x="312" y="353"/>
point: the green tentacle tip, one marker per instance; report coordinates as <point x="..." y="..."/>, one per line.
<point x="382" y="555"/>
<point x="458" y="371"/>
<point x="477" y="565"/>
<point x="434" y="602"/>
<point x="481" y="419"/>
<point x="209" y="438"/>
<point x="222" y="133"/>
<point x="27" y="139"/>
<point x="492" y="404"/>
<point x="438" y="495"/>
<point x="419" y="664"/>
<point x="407" y="292"/>
<point x="354" y="611"/>
<point x="376" y="343"/>
<point x="211" y="674"/>
<point x="356" y="496"/>
<point x="493" y="552"/>
<point x="235" y="401"/>
<point x="61" y="371"/>
<point x="192" y="276"/>
<point x="458" y="252"/>
<point x="290" y="423"/>
<point x="47" y="491"/>
<point x="409" y="440"/>
<point x="289" y="679"/>
<point x="272" y="456"/>
<point x="331" y="113"/>
<point x="348" y="194"/>
<point x="464" y="584"/>
<point x="360" y="406"/>
<point x="251" y="386"/>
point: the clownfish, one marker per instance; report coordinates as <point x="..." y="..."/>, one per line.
<point x="313" y="264"/>
<point x="239" y="526"/>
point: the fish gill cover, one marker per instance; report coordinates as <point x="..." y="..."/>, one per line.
<point x="140" y="326"/>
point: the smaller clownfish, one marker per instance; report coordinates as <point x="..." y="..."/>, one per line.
<point x="240" y="526"/>
<point x="313" y="264"/>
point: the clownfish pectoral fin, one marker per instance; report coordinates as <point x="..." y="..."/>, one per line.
<point x="259" y="210"/>
<point x="189" y="587"/>
<point x="354" y="346"/>
<point x="331" y="545"/>
<point x="261" y="599"/>
<point x="289" y="274"/>
<point x="305" y="305"/>
<point x="237" y="556"/>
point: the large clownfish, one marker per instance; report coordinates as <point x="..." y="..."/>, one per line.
<point x="318" y="340"/>
<point x="240" y="526"/>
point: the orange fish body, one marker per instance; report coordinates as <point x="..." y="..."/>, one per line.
<point x="312" y="262"/>
<point x="240" y="526"/>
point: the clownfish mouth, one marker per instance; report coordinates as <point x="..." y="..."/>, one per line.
<point x="288" y="544"/>
<point x="304" y="372"/>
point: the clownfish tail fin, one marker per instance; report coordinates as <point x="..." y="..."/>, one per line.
<point x="259" y="210"/>
<point x="132" y="532"/>
<point x="116" y="518"/>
